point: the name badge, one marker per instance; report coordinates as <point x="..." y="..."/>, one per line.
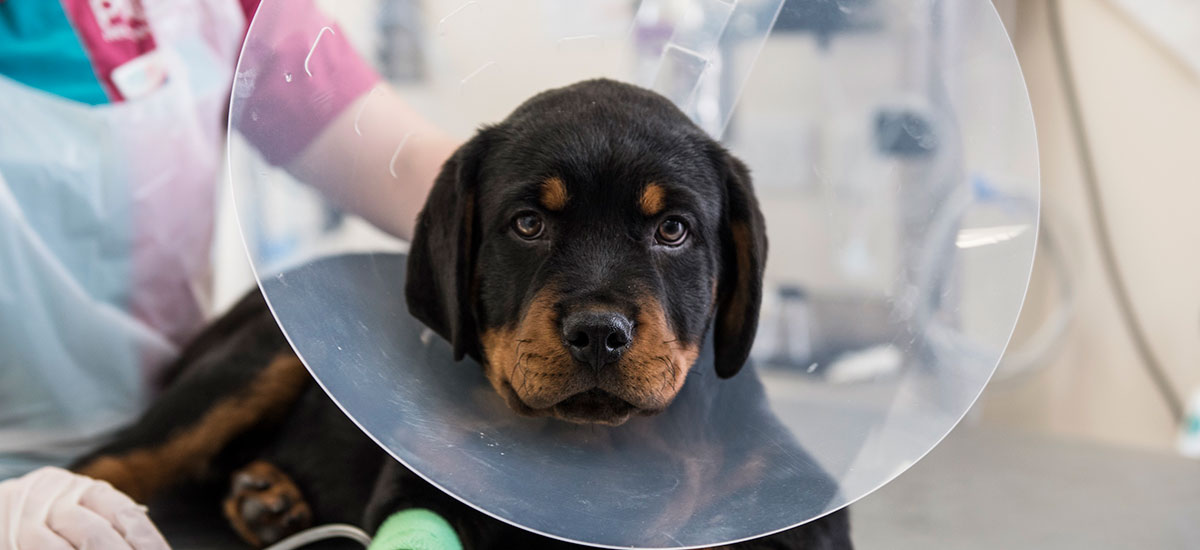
<point x="141" y="75"/>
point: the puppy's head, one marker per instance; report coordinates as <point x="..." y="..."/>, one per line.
<point x="581" y="249"/>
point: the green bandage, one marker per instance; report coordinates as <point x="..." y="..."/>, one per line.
<point x="415" y="529"/>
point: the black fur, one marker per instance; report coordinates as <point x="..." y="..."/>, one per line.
<point x="605" y="140"/>
<point x="448" y="240"/>
<point x="737" y="325"/>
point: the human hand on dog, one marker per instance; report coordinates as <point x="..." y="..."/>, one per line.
<point x="52" y="509"/>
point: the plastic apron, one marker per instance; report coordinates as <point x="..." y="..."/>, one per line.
<point x="106" y="217"/>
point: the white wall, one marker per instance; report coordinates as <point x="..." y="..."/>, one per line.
<point x="1142" y="107"/>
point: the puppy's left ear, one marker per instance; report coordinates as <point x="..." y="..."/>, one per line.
<point x="743" y="258"/>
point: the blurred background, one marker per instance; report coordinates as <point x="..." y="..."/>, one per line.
<point x="913" y="180"/>
<point x="895" y="161"/>
<point x="1136" y="67"/>
<point x="1108" y="343"/>
<point x="895" y="166"/>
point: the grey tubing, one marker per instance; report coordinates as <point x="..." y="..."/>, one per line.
<point x="322" y="532"/>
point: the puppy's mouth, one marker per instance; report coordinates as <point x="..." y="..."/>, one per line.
<point x="540" y="371"/>
<point x="594" y="406"/>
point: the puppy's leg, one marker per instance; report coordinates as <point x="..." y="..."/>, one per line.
<point x="238" y="375"/>
<point x="317" y="467"/>
<point x="264" y="504"/>
<point x="399" y="489"/>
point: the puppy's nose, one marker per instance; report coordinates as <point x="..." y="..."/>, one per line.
<point x="597" y="338"/>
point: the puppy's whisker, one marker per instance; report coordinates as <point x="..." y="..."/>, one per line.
<point x="675" y="345"/>
<point x="523" y="371"/>
<point x="517" y="352"/>
<point x="524" y="381"/>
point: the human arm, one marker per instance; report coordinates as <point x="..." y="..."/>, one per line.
<point x="385" y="174"/>
<point x="313" y="106"/>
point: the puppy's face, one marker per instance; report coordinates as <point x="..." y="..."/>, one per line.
<point x="581" y="249"/>
<point x="597" y="266"/>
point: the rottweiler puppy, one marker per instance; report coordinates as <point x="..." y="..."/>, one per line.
<point x="603" y="233"/>
<point x="580" y="250"/>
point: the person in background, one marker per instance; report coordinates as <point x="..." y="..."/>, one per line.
<point x="112" y="123"/>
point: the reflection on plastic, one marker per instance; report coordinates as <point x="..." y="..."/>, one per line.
<point x="678" y="478"/>
<point x="314" y="48"/>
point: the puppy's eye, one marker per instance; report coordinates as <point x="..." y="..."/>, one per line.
<point x="671" y="232"/>
<point x="528" y="225"/>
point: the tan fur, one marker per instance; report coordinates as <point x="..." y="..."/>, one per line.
<point x="280" y="489"/>
<point x="143" y="472"/>
<point x="653" y="199"/>
<point x="233" y="515"/>
<point x="530" y="367"/>
<point x="732" y="320"/>
<point x="530" y="359"/>
<point x="656" y="365"/>
<point x="554" y="194"/>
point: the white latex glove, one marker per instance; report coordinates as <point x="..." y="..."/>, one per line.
<point x="53" y="509"/>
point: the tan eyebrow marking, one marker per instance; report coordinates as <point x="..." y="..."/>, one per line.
<point x="654" y="198"/>
<point x="554" y="193"/>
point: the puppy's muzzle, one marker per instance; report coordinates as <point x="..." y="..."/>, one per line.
<point x="597" y="338"/>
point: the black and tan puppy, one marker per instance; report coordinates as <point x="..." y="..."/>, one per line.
<point x="580" y="250"/>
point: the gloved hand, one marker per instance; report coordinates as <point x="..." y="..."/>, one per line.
<point x="54" y="509"/>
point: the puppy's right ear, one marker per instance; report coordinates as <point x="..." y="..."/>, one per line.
<point x="441" y="259"/>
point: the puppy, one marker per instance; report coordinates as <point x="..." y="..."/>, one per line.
<point x="580" y="251"/>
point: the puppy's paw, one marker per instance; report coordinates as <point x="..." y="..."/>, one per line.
<point x="264" y="505"/>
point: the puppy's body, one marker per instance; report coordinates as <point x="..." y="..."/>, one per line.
<point x="338" y="473"/>
<point x="580" y="250"/>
